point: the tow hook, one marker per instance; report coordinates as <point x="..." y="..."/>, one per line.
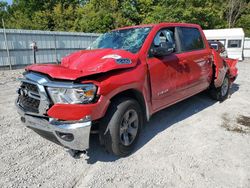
<point x="77" y="153"/>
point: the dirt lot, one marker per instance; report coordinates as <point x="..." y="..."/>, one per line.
<point x="196" y="143"/>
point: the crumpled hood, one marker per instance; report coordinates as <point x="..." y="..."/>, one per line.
<point x="87" y="62"/>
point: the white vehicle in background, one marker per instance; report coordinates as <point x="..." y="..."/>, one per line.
<point x="246" y="51"/>
<point x="232" y="39"/>
<point x="219" y="47"/>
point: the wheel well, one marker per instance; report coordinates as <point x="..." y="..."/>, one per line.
<point x="213" y="75"/>
<point x="131" y="93"/>
<point x="134" y="94"/>
<point x="214" y="68"/>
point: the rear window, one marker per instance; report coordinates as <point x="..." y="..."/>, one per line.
<point x="191" y="39"/>
<point x="234" y="44"/>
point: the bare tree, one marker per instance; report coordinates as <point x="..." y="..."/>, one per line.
<point x="234" y="10"/>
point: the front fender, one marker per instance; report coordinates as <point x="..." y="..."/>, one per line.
<point x="111" y="86"/>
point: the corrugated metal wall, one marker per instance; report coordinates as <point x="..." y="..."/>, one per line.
<point x="51" y="45"/>
<point x="246" y="51"/>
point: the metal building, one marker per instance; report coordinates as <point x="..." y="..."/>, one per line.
<point x="52" y="46"/>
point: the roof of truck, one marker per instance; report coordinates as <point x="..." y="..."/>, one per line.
<point x="161" y="24"/>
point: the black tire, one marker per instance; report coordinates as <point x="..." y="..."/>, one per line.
<point x="112" y="131"/>
<point x="221" y="93"/>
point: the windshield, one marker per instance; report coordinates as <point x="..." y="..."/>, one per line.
<point x="126" y="39"/>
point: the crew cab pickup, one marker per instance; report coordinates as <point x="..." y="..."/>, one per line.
<point x="116" y="84"/>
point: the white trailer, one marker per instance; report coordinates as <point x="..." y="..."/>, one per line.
<point x="232" y="39"/>
<point x="246" y="51"/>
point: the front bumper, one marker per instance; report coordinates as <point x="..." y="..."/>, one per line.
<point x="73" y="135"/>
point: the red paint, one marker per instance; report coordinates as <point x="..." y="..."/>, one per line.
<point x="233" y="71"/>
<point x="221" y="70"/>
<point x="84" y="63"/>
<point x="78" y="111"/>
<point x="161" y="81"/>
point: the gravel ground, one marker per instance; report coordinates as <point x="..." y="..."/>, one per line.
<point x="195" y="143"/>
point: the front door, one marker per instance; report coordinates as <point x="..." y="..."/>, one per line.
<point x="168" y="75"/>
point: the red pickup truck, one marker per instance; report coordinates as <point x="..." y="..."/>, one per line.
<point x="115" y="85"/>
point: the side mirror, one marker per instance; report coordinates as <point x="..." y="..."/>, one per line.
<point x="165" y="48"/>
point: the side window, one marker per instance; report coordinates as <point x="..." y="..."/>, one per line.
<point x="190" y="39"/>
<point x="165" y="35"/>
<point x="234" y="44"/>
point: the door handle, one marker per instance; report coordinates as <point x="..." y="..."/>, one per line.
<point x="183" y="61"/>
<point x="184" y="65"/>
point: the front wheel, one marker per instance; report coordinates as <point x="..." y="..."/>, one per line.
<point x="221" y="93"/>
<point x="121" y="126"/>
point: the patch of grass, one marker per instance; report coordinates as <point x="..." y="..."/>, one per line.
<point x="240" y="125"/>
<point x="244" y="120"/>
<point x="237" y="129"/>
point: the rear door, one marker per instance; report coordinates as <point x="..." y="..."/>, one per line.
<point x="195" y="57"/>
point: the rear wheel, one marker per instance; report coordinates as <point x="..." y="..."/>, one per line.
<point x="221" y="93"/>
<point x="121" y="126"/>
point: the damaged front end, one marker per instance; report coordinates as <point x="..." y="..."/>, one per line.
<point x="33" y="103"/>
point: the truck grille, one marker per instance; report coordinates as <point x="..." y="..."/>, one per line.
<point x="30" y="87"/>
<point x="29" y="97"/>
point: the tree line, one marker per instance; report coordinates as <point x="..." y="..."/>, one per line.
<point x="103" y="15"/>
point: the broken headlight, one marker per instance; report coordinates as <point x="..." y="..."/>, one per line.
<point x="84" y="94"/>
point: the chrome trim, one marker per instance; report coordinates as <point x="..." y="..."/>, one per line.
<point x="44" y="99"/>
<point x="34" y="95"/>
<point x="79" y="129"/>
<point x="42" y="80"/>
<point x="123" y="61"/>
<point x="39" y="121"/>
<point x="22" y="111"/>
